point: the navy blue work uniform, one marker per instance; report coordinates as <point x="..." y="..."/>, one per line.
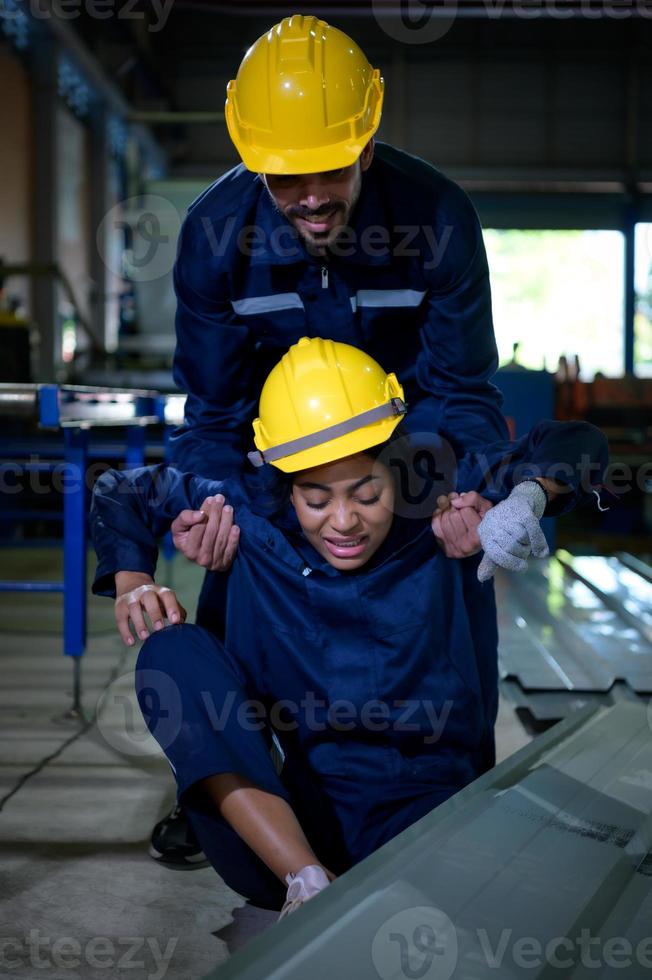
<point x="378" y="684"/>
<point x="408" y="284"/>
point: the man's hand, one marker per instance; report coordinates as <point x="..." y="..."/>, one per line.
<point x="136" y="594"/>
<point x="455" y="523"/>
<point x="207" y="536"/>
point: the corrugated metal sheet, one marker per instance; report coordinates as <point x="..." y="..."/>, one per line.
<point x="511" y="878"/>
<point x="636" y="564"/>
<point x="540" y="709"/>
<point x="618" y="587"/>
<point x="576" y="624"/>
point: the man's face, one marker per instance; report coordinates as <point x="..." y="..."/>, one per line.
<point x="319" y="205"/>
<point x="345" y="508"/>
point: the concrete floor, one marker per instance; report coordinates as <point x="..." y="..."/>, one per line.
<point x="80" y="898"/>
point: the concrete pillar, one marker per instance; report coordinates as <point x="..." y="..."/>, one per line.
<point x="99" y="205"/>
<point x="46" y="160"/>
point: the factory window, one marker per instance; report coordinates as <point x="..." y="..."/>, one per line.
<point x="643" y="310"/>
<point x="558" y="293"/>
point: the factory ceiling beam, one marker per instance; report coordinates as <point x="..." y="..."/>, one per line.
<point x="146" y="58"/>
<point x="164" y="117"/>
<point x="110" y="94"/>
<point x="381" y="9"/>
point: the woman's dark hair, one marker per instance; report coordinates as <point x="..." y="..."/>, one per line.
<point x="270" y="488"/>
<point x="269" y="491"/>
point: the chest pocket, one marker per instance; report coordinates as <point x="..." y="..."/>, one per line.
<point x="392" y="611"/>
<point x="277" y="319"/>
<point x="403" y="592"/>
<point x="420" y="626"/>
<point x="380" y="312"/>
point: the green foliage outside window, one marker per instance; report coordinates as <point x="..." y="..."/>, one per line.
<point x="558" y="292"/>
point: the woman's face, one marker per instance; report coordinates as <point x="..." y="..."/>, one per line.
<point x="345" y="508"/>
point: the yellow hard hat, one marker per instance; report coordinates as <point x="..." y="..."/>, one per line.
<point x="323" y="401"/>
<point x="305" y="100"/>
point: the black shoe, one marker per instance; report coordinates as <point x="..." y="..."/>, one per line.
<point x="174" y="844"/>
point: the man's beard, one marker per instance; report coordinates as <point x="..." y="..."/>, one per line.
<point x="318" y="243"/>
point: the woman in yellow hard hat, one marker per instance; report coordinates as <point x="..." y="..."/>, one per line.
<point x="348" y="639"/>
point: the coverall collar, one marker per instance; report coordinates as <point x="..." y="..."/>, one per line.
<point x="369" y="212"/>
<point x="282" y="533"/>
<point x="402" y="534"/>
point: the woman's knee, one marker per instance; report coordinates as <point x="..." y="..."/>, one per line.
<point x="159" y="646"/>
<point x="164" y="669"/>
<point x="178" y="668"/>
<point x="170" y="647"/>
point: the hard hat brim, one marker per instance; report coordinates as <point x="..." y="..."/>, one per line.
<point x="305" y="161"/>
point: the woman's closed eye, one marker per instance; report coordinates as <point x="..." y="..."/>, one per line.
<point x="365" y="503"/>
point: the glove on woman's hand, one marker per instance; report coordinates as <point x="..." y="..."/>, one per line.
<point x="510" y="532"/>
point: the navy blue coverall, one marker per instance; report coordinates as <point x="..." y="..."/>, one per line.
<point x="380" y="685"/>
<point x="409" y="285"/>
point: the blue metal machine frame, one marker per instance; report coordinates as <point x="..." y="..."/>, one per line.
<point x="75" y="411"/>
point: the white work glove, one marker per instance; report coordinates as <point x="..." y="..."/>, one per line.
<point x="510" y="532"/>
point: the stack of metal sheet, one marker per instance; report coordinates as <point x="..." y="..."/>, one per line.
<point x="575" y="630"/>
<point x="541" y="868"/>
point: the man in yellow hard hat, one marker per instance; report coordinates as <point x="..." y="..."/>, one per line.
<point x="322" y="231"/>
